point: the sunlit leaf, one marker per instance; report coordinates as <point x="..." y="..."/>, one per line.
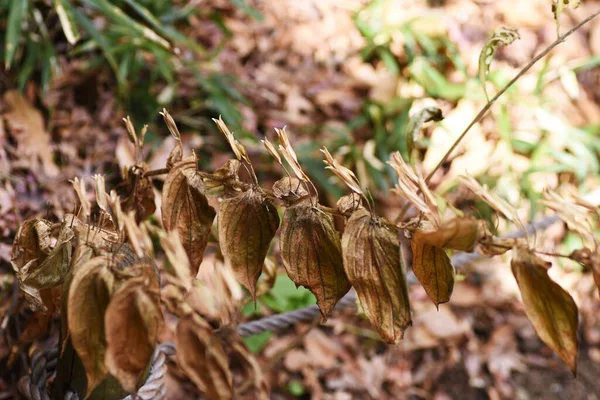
<point x="548" y="306"/>
<point x="375" y="268"/>
<point x="67" y="21"/>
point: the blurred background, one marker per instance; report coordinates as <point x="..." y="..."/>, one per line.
<point x="343" y="73"/>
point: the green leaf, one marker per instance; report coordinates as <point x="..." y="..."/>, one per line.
<point x="118" y="16"/>
<point x="284" y="296"/>
<point x="67" y="21"/>
<point x="503" y="36"/>
<point x="245" y="7"/>
<point x="13" y="29"/>
<point x="164" y="30"/>
<point x="256" y="343"/>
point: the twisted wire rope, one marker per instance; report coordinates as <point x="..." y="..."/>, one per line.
<point x="43" y="364"/>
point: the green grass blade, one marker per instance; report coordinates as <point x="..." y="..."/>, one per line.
<point x="165" y="30"/>
<point x="119" y="17"/>
<point x="67" y="21"/>
<point x="13" y="29"/>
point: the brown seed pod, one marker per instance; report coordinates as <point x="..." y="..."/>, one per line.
<point x="433" y="269"/>
<point x="375" y="267"/>
<point x="290" y="190"/>
<point x="312" y="254"/>
<point x="456" y="234"/>
<point x="549" y="307"/>
<point x="186" y="209"/>
<point x="247" y="224"/>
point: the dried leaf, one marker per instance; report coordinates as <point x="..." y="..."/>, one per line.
<point x="346" y="175"/>
<point x="457" y="234"/>
<point x="202" y="357"/>
<point x="216" y="294"/>
<point x="247" y="225"/>
<point x="100" y="188"/>
<point x="252" y="369"/>
<point x="349" y="203"/>
<point x="312" y="254"/>
<point x="290" y="190"/>
<point x="577" y="217"/>
<point x="137" y="193"/>
<point x="52" y="271"/>
<point x="433" y="269"/>
<point x="176" y="153"/>
<point x="558" y="6"/>
<point x="133" y="320"/>
<point x="26" y="124"/>
<point x="492" y="199"/>
<point x="548" y="306"/>
<point x="503" y="36"/>
<point x="238" y="149"/>
<point x="413" y="130"/>
<point x="185" y="208"/>
<point x="375" y="268"/>
<point x="589" y="259"/>
<point x="84" y="202"/>
<point x="290" y="155"/>
<point x="89" y="295"/>
<point x="32" y="244"/>
<point x="225" y="179"/>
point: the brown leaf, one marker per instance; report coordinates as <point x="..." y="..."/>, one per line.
<point x="247" y="224"/>
<point x="589" y="259"/>
<point x="312" y="254"/>
<point x="53" y="270"/>
<point x="89" y="296"/>
<point x="186" y="209"/>
<point x="433" y="269"/>
<point x="201" y="356"/>
<point x="29" y="246"/>
<point x="252" y="369"/>
<point x="456" y="234"/>
<point x="373" y="262"/>
<point x="137" y="193"/>
<point x="548" y="306"/>
<point x="26" y="124"/>
<point x="133" y="320"/>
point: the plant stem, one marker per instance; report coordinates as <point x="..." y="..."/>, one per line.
<point x="156" y="172"/>
<point x="489" y="104"/>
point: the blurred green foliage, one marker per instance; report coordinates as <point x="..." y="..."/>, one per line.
<point x="144" y="42"/>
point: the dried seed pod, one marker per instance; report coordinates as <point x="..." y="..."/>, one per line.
<point x="201" y="356"/>
<point x="433" y="269"/>
<point x="186" y="209"/>
<point x="375" y="267"/>
<point x="133" y="320"/>
<point x="290" y="190"/>
<point x="88" y="298"/>
<point x="226" y="179"/>
<point x="349" y="203"/>
<point x="312" y="254"/>
<point x="247" y="224"/>
<point x="137" y="193"/>
<point x="550" y="308"/>
<point x="456" y="234"/>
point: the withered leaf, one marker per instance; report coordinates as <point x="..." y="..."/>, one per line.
<point x="247" y="224"/>
<point x="186" y="209"/>
<point x="201" y="356"/>
<point x="375" y="268"/>
<point x="53" y="270"/>
<point x="590" y="259"/>
<point x="456" y="234"/>
<point x="433" y="269"/>
<point x="89" y="295"/>
<point x="549" y="307"/>
<point x="133" y="320"/>
<point x="253" y="370"/>
<point x="138" y="193"/>
<point x="312" y="254"/>
<point x="31" y="244"/>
